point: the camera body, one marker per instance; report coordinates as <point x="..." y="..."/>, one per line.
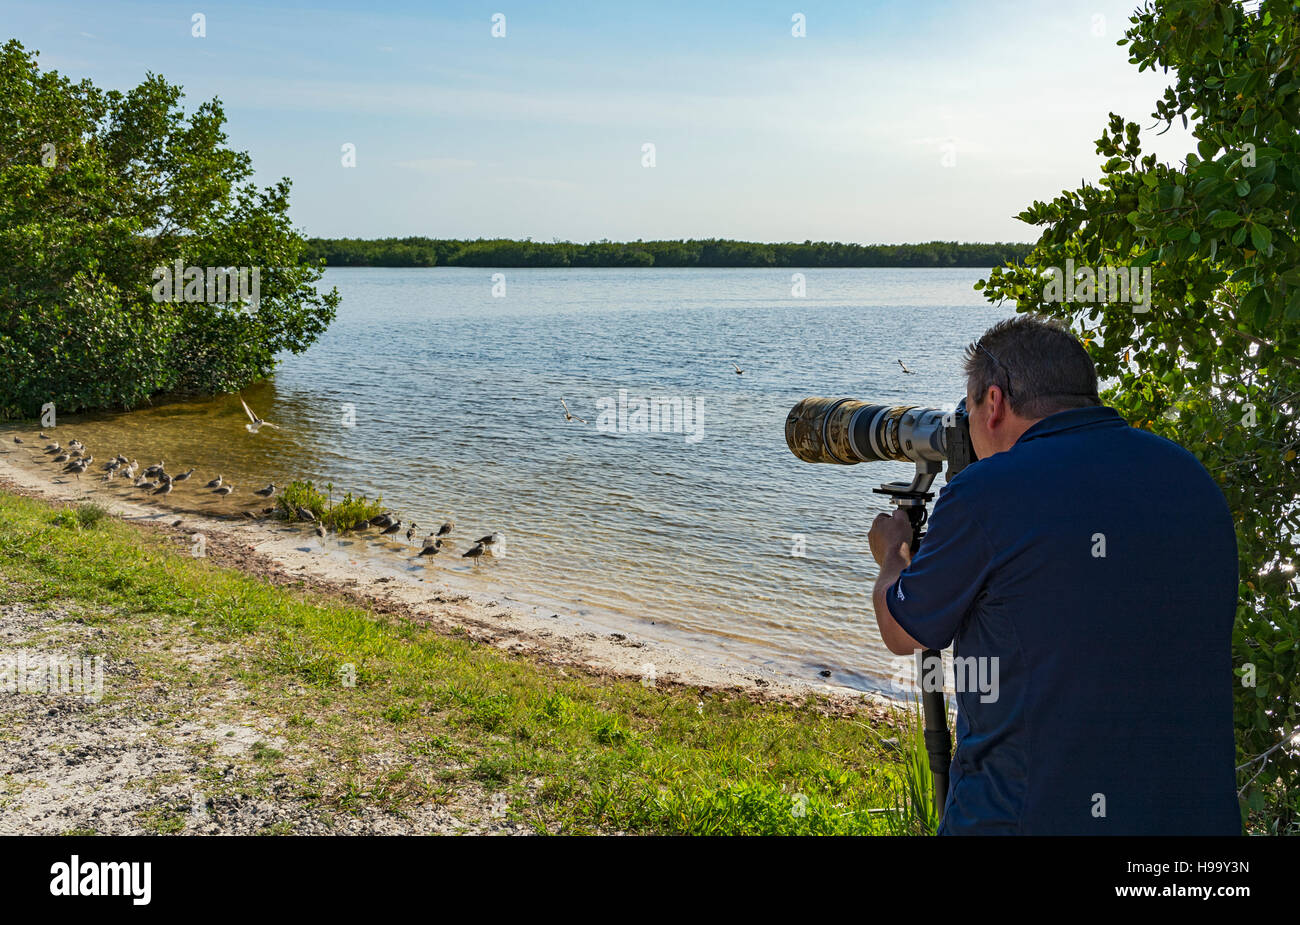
<point x="845" y="431"/>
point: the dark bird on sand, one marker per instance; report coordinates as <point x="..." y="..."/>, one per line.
<point x="445" y="528"/>
<point x="215" y="483"/>
<point x="18" y="439"/>
<point x="224" y="489"/>
<point x="112" y="464"/>
<point x="305" y="513"/>
<point x="44" y="436"/>
<point x="382" y="520"/>
<point x="392" y="528"/>
<point x="53" y="448"/>
<point x="146" y="484"/>
<point x="163" y="489"/>
<point x="183" y="476"/>
<point x="410" y="533"/>
<point x="320" y="530"/>
<point x="153" y="470"/>
<point x="267" y="491"/>
<point x="62" y="457"/>
<point x="474" y="552"/>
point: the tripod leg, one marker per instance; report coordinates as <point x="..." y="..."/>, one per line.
<point x="938" y="743"/>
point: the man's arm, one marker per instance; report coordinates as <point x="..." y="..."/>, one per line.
<point x="890" y="538"/>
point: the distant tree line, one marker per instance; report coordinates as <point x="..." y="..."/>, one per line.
<point x="712" y="252"/>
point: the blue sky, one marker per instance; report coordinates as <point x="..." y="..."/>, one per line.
<point x="888" y="122"/>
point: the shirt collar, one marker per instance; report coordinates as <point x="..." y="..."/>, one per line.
<point x="1075" y="418"/>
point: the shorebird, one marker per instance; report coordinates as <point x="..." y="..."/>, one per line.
<point x="431" y="548"/>
<point x="146" y="484"/>
<point x="392" y="528"/>
<point x="18" y="439"/>
<point x="224" y="489"/>
<point x="739" y="371"/>
<point x="62" y="457"/>
<point x="410" y="533"/>
<point x="76" y="445"/>
<point x="490" y="541"/>
<point x="164" y="489"/>
<point x="256" y="423"/>
<point x="215" y="483"/>
<point x="445" y="528"/>
<point x="155" y="469"/>
<point x="78" y="467"/>
<point x="113" y="464"/>
<point x="122" y="459"/>
<point x="53" y="448"/>
<point x="183" y="476"/>
<point x="320" y="530"/>
<point x="474" y="552"/>
<point x="568" y="416"/>
<point x="267" y="491"/>
<point x="129" y="471"/>
<point x="305" y="513"/>
<point x="381" y="520"/>
<point x="905" y="369"/>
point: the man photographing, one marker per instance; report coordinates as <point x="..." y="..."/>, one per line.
<point x="1097" y="563"/>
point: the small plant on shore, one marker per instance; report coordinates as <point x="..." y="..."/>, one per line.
<point x="83" y="516"/>
<point x="346" y="515"/>
<point x="914" y="811"/>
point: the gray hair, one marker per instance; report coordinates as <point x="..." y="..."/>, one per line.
<point x="1039" y="365"/>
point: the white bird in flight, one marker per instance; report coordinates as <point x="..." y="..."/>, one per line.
<point x="569" y="416"/>
<point x="257" y="423"/>
<point x="905" y="369"/>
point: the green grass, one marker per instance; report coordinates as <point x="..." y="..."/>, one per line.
<point x="569" y="751"/>
<point x="345" y="515"/>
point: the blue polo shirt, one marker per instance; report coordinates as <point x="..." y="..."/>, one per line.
<point x="1098" y="564"/>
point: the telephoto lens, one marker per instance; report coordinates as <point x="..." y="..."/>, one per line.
<point x="846" y="431"/>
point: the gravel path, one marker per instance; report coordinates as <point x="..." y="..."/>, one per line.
<point x="133" y="762"/>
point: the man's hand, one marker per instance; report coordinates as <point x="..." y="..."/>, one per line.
<point x="888" y="533"/>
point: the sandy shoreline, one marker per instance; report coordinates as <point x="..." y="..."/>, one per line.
<point x="286" y="553"/>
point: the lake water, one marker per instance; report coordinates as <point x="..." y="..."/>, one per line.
<point x="445" y="399"/>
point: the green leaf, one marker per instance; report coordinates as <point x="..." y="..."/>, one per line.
<point x="1260" y="237"/>
<point x="1223" y="218"/>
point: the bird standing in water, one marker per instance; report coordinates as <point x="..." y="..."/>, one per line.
<point x="224" y="489"/>
<point x="183" y="476"/>
<point x="215" y="483"/>
<point x="475" y="552"/>
<point x="267" y="491"/>
<point x="445" y="528"/>
<point x="410" y="533"/>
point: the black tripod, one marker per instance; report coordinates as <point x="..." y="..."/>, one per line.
<point x="912" y="497"/>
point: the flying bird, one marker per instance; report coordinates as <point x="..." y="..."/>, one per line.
<point x="905" y="369"/>
<point x="739" y="371"/>
<point x="569" y="416"/>
<point x="256" y="422"/>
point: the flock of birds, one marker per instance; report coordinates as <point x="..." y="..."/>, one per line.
<point x="155" y="480"/>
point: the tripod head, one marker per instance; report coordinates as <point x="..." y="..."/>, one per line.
<point x="912" y="497"/>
